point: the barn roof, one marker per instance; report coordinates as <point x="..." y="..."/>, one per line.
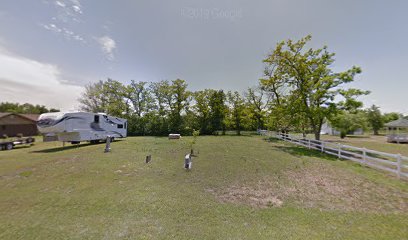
<point x="29" y="116"/>
<point x="398" y="123"/>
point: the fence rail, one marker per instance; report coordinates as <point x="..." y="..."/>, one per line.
<point x="394" y="163"/>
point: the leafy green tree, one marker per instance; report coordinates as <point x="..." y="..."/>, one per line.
<point x="389" y="117"/>
<point x="163" y="100"/>
<point x="306" y="76"/>
<point x="202" y="109"/>
<point x="105" y="96"/>
<point x="375" y="119"/>
<point x="25" y="108"/>
<point x="178" y="103"/>
<point x="218" y="111"/>
<point x="140" y="100"/>
<point x="257" y="101"/>
<point x="237" y="107"/>
<point x="92" y="99"/>
<point x="346" y="122"/>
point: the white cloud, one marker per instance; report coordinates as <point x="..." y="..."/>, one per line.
<point x="59" y="3"/>
<point x="68" y="34"/>
<point x="108" y="45"/>
<point x="26" y="80"/>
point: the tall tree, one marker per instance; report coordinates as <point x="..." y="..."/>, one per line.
<point x="306" y="75"/>
<point x="257" y="101"/>
<point x="375" y="118"/>
<point x="163" y="99"/>
<point x="237" y="107"/>
<point x="346" y="122"/>
<point x="140" y="100"/>
<point x="104" y="96"/>
<point x="202" y="108"/>
<point x="92" y="99"/>
<point x="218" y="111"/>
<point x="178" y="103"/>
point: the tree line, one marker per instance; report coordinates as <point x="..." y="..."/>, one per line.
<point x="160" y="108"/>
<point x="299" y="91"/>
<point x="25" y="108"/>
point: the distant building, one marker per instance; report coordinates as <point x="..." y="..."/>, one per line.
<point x="397" y="131"/>
<point x="12" y="124"/>
<point x="327" y="129"/>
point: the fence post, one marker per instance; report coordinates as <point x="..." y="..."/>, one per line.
<point x="399" y="163"/>
<point x="339" y="153"/>
<point x="322" y="145"/>
<point x="364" y="156"/>
<point x="308" y="143"/>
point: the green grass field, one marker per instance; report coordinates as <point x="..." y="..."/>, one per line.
<point x="239" y="188"/>
<point x="378" y="143"/>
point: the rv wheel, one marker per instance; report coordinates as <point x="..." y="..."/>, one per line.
<point x="9" y="146"/>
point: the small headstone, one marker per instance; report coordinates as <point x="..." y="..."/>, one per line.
<point x="148" y="158"/>
<point x="108" y="142"/>
<point x="187" y="162"/>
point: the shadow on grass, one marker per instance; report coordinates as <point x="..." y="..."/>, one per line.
<point x="357" y="136"/>
<point x="272" y="139"/>
<point x="59" y="149"/>
<point x="305" y="152"/>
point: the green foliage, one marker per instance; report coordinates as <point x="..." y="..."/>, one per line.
<point x="105" y="96"/>
<point x="346" y="122"/>
<point x="389" y="117"/>
<point x="236" y="111"/>
<point x="375" y="119"/>
<point x="218" y="111"/>
<point x="195" y="134"/>
<point x="257" y="101"/>
<point x="303" y="85"/>
<point x="25" y="108"/>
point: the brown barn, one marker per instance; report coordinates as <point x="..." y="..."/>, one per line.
<point x="12" y="124"/>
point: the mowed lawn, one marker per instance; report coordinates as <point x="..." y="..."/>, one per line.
<point x="378" y="143"/>
<point x="239" y="188"/>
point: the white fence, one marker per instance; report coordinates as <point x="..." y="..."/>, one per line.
<point x="394" y="163"/>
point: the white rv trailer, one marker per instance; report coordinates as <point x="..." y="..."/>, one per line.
<point x="76" y="127"/>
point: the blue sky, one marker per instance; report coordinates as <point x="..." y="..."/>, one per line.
<point x="50" y="49"/>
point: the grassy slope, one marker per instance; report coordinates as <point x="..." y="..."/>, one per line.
<point x="81" y="192"/>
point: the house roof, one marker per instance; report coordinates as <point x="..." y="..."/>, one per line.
<point x="29" y="116"/>
<point x="2" y="114"/>
<point x="398" y="123"/>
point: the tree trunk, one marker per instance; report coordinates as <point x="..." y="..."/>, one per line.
<point x="375" y="132"/>
<point x="317" y="135"/>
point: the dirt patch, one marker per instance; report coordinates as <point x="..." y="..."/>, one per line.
<point x="319" y="186"/>
<point x="257" y="196"/>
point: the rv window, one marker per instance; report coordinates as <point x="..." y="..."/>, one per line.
<point x="125" y="125"/>
<point x="120" y="125"/>
<point x="96" y="119"/>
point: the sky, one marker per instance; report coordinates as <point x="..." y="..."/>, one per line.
<point x="51" y="49"/>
